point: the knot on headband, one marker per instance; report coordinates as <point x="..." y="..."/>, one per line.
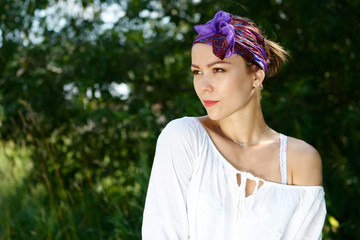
<point x="219" y="33"/>
<point x="228" y="34"/>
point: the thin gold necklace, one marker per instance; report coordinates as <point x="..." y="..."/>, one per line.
<point x="241" y="144"/>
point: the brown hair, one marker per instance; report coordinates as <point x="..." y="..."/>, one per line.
<point x="277" y="56"/>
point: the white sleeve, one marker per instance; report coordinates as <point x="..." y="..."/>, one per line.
<point x="165" y="212"/>
<point x="312" y="222"/>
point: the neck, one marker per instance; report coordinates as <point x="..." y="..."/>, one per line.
<point x="245" y="126"/>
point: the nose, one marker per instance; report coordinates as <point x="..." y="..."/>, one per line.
<point x="206" y="83"/>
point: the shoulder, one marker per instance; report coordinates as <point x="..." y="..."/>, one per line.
<point x="180" y="129"/>
<point x="179" y="126"/>
<point x="304" y="162"/>
<point x="180" y="139"/>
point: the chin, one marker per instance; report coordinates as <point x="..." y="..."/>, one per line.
<point x="214" y="116"/>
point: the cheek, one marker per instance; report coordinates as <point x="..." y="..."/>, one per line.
<point x="236" y="84"/>
<point x="242" y="80"/>
<point x="196" y="86"/>
<point x="239" y="86"/>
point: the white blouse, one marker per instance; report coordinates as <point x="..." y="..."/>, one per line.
<point x="193" y="194"/>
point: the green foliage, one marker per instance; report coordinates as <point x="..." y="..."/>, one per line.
<point x="85" y="153"/>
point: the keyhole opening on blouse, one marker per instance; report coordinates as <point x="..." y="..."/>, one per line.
<point x="250" y="185"/>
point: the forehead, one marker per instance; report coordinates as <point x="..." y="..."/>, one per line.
<point x="203" y="54"/>
<point x="200" y="50"/>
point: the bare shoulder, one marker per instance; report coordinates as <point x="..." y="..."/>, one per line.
<point x="304" y="163"/>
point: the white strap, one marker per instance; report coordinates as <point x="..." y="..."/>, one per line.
<point x="283" y="149"/>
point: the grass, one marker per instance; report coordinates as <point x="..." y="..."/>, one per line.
<point x="110" y="209"/>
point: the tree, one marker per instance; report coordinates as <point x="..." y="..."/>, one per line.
<point x="60" y="62"/>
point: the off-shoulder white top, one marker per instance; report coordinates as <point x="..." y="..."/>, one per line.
<point x="193" y="194"/>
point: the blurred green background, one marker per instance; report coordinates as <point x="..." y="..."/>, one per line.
<point x="86" y="87"/>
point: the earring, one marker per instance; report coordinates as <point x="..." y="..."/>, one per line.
<point x="256" y="84"/>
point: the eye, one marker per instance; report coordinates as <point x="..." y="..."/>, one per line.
<point x="218" y="70"/>
<point x="195" y="72"/>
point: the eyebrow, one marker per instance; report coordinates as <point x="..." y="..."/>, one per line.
<point x="211" y="64"/>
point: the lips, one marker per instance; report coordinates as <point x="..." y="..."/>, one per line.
<point x="209" y="103"/>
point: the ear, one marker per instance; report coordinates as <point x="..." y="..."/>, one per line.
<point x="259" y="76"/>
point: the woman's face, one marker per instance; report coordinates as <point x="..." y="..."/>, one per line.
<point x="225" y="87"/>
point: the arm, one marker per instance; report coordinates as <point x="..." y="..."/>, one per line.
<point x="306" y="168"/>
<point x="313" y="221"/>
<point x="307" y="220"/>
<point x="165" y="213"/>
<point x="304" y="163"/>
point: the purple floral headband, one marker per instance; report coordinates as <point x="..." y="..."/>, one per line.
<point x="230" y="34"/>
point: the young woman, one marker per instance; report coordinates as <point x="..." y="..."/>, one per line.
<point x="228" y="175"/>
